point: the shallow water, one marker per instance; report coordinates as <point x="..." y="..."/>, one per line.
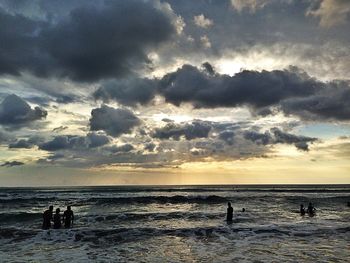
<point x="177" y="224"/>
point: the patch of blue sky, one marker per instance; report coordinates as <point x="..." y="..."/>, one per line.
<point x="325" y="130"/>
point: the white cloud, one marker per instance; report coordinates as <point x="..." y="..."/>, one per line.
<point x="331" y="12"/>
<point x="202" y="21"/>
<point x="251" y="5"/>
<point x="205" y="41"/>
<point x="176" y="19"/>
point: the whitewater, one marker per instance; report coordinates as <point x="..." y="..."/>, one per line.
<point x="177" y="224"/>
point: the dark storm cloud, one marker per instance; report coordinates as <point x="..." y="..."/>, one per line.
<point x="150" y="147"/>
<point x="330" y="103"/>
<point x="26" y="143"/>
<point x="15" y="111"/>
<point x="253" y="88"/>
<point x="18" y="42"/>
<point x="96" y="140"/>
<point x="227" y="136"/>
<point x="258" y="138"/>
<point x="58" y="143"/>
<point x="209" y="68"/>
<point x="127" y="91"/>
<point x="276" y="136"/>
<point x="109" y="44"/>
<point x="303" y="146"/>
<point x="11" y="164"/>
<point x="91" y="43"/>
<point x="73" y="142"/>
<point x="291" y="91"/>
<point x="190" y="131"/>
<point x="113" y="121"/>
<point x="120" y="149"/>
<point x="283" y="137"/>
<point x="21" y="144"/>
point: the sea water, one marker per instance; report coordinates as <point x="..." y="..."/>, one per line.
<point x="177" y="224"/>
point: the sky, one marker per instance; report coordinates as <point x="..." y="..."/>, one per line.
<point x="174" y="92"/>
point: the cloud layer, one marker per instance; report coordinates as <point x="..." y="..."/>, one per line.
<point x="291" y="91"/>
<point x="113" y="121"/>
<point x="90" y="43"/>
<point x="189" y="131"/>
<point x="15" y="111"/>
<point x="123" y="83"/>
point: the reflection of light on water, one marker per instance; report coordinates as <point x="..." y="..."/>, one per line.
<point x="178" y="248"/>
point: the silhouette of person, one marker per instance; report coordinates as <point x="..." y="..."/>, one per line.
<point x="311" y="209"/>
<point x="229" y="212"/>
<point x="47" y="217"/>
<point x="57" y="219"/>
<point x="68" y="217"/>
<point x="302" y="210"/>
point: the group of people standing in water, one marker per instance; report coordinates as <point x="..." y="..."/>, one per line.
<point x="67" y="218"/>
<point x="311" y="210"/>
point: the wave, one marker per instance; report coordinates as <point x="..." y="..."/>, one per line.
<point x="17" y="235"/>
<point x="116" y="234"/>
<point x="121" y="200"/>
<point x="154" y="216"/>
<point x="176" y="199"/>
<point x="319" y="199"/>
<point x="19" y="217"/>
<point x="27" y="200"/>
<point x="160" y="199"/>
<point x="132" y="234"/>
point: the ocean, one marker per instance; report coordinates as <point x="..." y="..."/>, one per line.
<point x="177" y="224"/>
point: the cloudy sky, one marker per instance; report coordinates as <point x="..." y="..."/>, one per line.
<point x="174" y="92"/>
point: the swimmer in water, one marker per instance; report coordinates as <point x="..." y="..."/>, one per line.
<point x="311" y="210"/>
<point x="302" y="210"/>
<point x="229" y="212"/>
